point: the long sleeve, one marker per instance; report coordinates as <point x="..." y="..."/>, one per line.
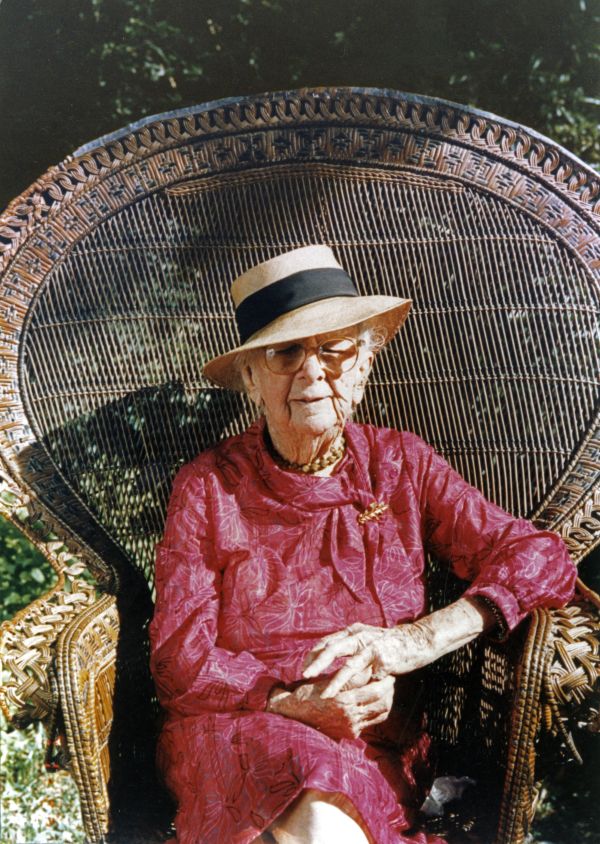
<point x="191" y="673"/>
<point x="507" y="560"/>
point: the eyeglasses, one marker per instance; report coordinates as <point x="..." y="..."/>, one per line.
<point x="336" y="355"/>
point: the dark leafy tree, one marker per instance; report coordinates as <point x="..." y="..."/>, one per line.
<point x="72" y="70"/>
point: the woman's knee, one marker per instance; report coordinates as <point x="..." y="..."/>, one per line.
<point x="318" y="817"/>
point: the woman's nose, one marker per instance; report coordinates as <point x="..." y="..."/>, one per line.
<point x="312" y="367"/>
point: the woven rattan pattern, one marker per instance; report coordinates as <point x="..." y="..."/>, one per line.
<point x="86" y="670"/>
<point x="113" y="347"/>
<point x="27" y="641"/>
<point x="546" y="198"/>
<point x="557" y="680"/>
<point x="572" y="668"/>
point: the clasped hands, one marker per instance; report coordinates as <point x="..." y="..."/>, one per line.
<point x="361" y="692"/>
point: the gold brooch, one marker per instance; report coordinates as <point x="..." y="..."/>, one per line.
<point x="373" y="511"/>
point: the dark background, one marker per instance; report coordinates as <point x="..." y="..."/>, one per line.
<point x="72" y="70"/>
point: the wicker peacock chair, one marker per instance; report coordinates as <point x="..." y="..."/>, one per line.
<point x="114" y="289"/>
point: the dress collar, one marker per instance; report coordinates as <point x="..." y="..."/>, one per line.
<point x="348" y="484"/>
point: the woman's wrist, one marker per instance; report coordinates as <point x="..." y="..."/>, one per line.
<point x="451" y="627"/>
<point x="496" y="624"/>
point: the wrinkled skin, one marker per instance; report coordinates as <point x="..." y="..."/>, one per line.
<point x="361" y="692"/>
<point x="307" y="411"/>
<point x="378" y="652"/>
<point x="374" y="653"/>
<point x="343" y="715"/>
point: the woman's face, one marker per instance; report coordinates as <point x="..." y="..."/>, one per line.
<point x="316" y="398"/>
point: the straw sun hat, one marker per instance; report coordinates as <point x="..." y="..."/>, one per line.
<point x="296" y="295"/>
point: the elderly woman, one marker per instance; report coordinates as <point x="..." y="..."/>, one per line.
<point x="290" y="591"/>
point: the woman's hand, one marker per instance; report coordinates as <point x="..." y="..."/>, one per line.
<point x="377" y="652"/>
<point x="344" y="715"/>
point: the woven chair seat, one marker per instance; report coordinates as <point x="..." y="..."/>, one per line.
<point x="114" y="289"/>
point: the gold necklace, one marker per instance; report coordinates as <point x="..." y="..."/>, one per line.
<point x="331" y="456"/>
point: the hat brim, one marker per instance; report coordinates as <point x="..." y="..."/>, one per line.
<point x="322" y="317"/>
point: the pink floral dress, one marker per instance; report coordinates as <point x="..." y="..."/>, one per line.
<point x="257" y="564"/>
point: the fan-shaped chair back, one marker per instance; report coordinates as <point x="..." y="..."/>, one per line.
<point x="126" y="285"/>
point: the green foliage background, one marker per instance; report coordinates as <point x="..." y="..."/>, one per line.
<point x="73" y="70"/>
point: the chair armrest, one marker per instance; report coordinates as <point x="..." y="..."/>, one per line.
<point x="28" y="646"/>
<point x="558" y="671"/>
<point x="573" y="669"/>
<point x="73" y="637"/>
<point x="86" y="666"/>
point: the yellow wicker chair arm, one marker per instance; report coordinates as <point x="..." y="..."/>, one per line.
<point x="28" y="644"/>
<point x="559" y="671"/>
<point x="572" y="668"/>
<point x="86" y="663"/>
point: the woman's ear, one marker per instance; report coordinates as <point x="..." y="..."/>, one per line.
<point x="251" y="386"/>
<point x="363" y="370"/>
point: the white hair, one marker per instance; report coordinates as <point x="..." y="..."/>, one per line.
<point x="374" y="337"/>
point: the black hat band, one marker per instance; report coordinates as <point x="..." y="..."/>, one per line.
<point x="288" y="294"/>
